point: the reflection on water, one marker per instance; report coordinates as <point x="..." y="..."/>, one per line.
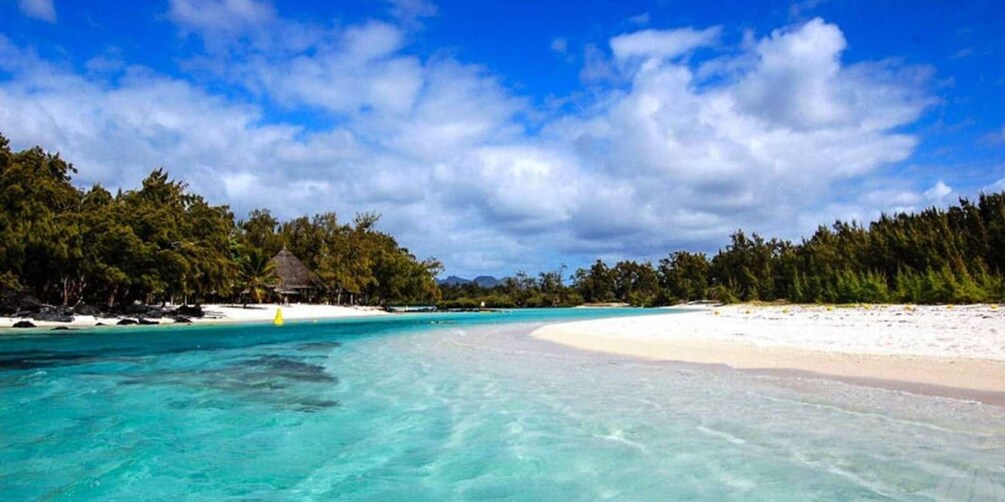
<point x="406" y="410"/>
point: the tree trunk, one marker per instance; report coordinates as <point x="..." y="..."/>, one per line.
<point x="80" y="291"/>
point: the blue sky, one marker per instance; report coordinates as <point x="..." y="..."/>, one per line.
<point x="523" y="135"/>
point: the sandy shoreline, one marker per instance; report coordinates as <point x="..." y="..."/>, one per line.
<point x="218" y="314"/>
<point x="945" y="347"/>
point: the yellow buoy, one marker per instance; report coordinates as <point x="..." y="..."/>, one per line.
<point x="278" y="321"/>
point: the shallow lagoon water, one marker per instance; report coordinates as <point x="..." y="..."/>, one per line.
<point x="457" y="407"/>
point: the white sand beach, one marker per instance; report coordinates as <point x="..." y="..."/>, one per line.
<point x="948" y="346"/>
<point x="220" y="313"/>
<point x="291" y="312"/>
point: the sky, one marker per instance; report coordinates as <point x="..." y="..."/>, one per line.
<point x="523" y="135"/>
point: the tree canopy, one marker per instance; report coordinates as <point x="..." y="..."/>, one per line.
<point x="160" y="242"/>
<point x="953" y="255"/>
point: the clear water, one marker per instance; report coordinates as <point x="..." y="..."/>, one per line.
<point x="456" y="407"/>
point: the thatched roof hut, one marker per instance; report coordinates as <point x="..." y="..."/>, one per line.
<point x="294" y="276"/>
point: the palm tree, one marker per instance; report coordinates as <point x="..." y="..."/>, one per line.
<point x="258" y="272"/>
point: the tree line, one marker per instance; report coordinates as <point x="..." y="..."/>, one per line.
<point x="953" y="255"/>
<point x="160" y="242"/>
<point x="67" y="245"/>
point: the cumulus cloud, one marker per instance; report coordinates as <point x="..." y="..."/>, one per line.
<point x="43" y="10"/>
<point x="800" y="82"/>
<point x="359" y="71"/>
<point x="661" y="157"/>
<point x="938" y="193"/>
<point x="771" y="141"/>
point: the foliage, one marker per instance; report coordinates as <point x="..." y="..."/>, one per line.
<point x="162" y="243"/>
<point x="956" y="255"/>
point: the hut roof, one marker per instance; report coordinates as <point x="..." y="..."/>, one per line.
<point x="293" y="274"/>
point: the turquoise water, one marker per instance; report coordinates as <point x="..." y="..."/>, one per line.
<point x="456" y="407"/>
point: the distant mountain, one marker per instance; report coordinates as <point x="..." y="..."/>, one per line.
<point x="487" y="281"/>
<point x="453" y="281"/>
<point x="482" y="281"/>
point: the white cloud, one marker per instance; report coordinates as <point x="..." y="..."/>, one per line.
<point x="359" y="70"/>
<point x="43" y="10"/>
<point x="640" y="20"/>
<point x="560" y="45"/>
<point x="410" y="11"/>
<point x="663" y="159"/>
<point x="938" y="193"/>
<point x="799" y="82"/>
<point x="794" y="80"/>
<point x="662" y="44"/>
<point x="998" y="186"/>
<point x="219" y="17"/>
<point x="597" y="67"/>
<point x="797" y="10"/>
<point x="962" y="53"/>
<point x="754" y="150"/>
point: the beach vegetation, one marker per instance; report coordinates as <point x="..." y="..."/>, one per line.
<point x="160" y="242"/>
<point x="952" y="255"/>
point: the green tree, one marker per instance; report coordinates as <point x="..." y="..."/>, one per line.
<point x="258" y="274"/>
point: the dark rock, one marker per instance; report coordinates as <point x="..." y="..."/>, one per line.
<point x="61" y="328"/>
<point x="85" y="309"/>
<point x="24" y="324"/>
<point x="136" y="309"/>
<point x="52" y="314"/>
<point x="139" y="310"/>
<point x="154" y="313"/>
<point x="146" y="322"/>
<point x="10" y="302"/>
<point x="182" y="320"/>
<point x="30" y="304"/>
<point x="133" y="307"/>
<point x="190" y="311"/>
<point x="126" y="322"/>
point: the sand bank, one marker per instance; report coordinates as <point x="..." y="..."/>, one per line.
<point x="955" y="347"/>
<point x="220" y="314"/>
